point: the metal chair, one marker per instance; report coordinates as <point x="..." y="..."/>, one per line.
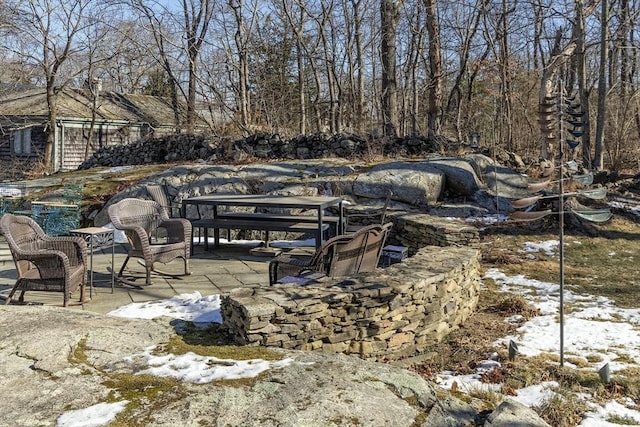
<point x="339" y="256"/>
<point x="43" y="262"/>
<point x="141" y="220"/>
<point x="161" y="194"/>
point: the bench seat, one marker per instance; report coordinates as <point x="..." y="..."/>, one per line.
<point x="259" y="216"/>
<point x="263" y="222"/>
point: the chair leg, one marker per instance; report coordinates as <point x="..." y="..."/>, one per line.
<point x="273" y="272"/>
<point x="148" y="267"/>
<point x="186" y="267"/>
<point x="124" y="264"/>
<point x="7" y="301"/>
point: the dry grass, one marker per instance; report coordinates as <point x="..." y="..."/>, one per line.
<point x="605" y="265"/>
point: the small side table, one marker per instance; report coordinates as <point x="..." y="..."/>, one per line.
<point x="97" y="237"/>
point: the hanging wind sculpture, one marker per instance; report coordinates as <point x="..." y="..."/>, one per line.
<point x="569" y="113"/>
<point x="556" y="112"/>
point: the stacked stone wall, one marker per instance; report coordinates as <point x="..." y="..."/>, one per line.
<point x="417" y="230"/>
<point x="387" y="314"/>
<point x="182" y="147"/>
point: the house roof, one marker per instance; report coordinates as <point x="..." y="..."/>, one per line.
<point x="31" y="105"/>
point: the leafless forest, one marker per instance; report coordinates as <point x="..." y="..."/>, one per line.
<point x="382" y="68"/>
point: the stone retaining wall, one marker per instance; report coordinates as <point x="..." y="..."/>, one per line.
<point x="417" y="230"/>
<point x="393" y="312"/>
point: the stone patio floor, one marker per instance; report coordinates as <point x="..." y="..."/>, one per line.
<point x="216" y="271"/>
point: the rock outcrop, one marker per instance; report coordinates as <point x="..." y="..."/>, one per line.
<point x="57" y="360"/>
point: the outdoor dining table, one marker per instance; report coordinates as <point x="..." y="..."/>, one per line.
<point x="269" y="221"/>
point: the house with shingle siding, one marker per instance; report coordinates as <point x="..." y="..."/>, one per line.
<point x="110" y="119"/>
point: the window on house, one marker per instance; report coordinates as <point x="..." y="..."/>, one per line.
<point x="22" y="142"/>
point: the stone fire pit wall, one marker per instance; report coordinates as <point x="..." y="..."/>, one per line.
<point x="388" y="314"/>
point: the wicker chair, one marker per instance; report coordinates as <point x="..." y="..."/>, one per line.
<point x="43" y="262"/>
<point x="140" y="220"/>
<point x="339" y="256"/>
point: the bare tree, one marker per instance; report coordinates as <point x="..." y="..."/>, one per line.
<point x="353" y="18"/>
<point x="48" y="32"/>
<point x="193" y="27"/>
<point x="389" y="14"/>
<point x="622" y="114"/>
<point x="297" y="23"/>
<point x="468" y="30"/>
<point x="157" y="27"/>
<point x="125" y="66"/>
<point x="310" y="46"/>
<point x="412" y="86"/>
<point x="323" y="21"/>
<point x="580" y="70"/>
<point x="598" y="157"/>
<point x="197" y="17"/>
<point x="434" y="105"/>
<point x="240" y="37"/>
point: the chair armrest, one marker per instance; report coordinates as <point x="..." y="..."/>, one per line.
<point x="137" y="235"/>
<point x="74" y="247"/>
<point x="50" y="263"/>
<point x="178" y="229"/>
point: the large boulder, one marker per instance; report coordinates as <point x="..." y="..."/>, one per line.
<point x="462" y="179"/>
<point x="505" y="182"/>
<point x="417" y="183"/>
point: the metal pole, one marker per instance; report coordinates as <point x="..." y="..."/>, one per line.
<point x="561" y="214"/>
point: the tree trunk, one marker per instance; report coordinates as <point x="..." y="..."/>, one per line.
<point x="196" y="24"/>
<point x="598" y="158"/>
<point x="434" y="104"/>
<point x="455" y="98"/>
<point x="506" y="119"/>
<point x="94" y="88"/>
<point x="52" y="118"/>
<point x="331" y="81"/>
<point x="359" y="95"/>
<point x="389" y="98"/>
<point x="579" y="36"/>
<point x="243" y="68"/>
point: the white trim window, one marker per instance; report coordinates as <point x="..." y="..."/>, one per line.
<point x="22" y="142"/>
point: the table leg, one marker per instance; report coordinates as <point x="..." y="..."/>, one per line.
<point x="216" y="231"/>
<point x="91" y="267"/>
<point x="113" y="265"/>
<point x="319" y="232"/>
